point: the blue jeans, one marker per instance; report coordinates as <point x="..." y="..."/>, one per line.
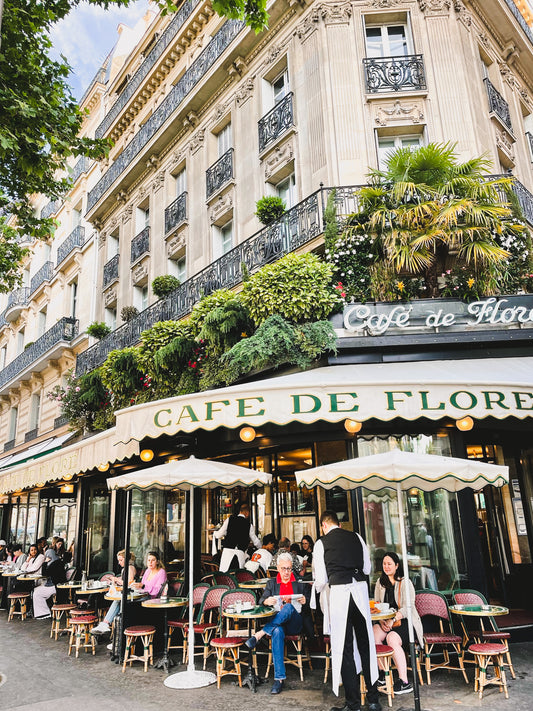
<point x="287" y="621"/>
<point x="112" y="612"/>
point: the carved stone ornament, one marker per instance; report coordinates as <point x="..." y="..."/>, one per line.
<point x="338" y="14"/>
<point x="177" y="158"/>
<point x="122" y="197"/>
<point x="176" y="245"/>
<point x="272" y="54"/>
<point x="222" y="207"/>
<point x="385" y="4"/>
<point x="484" y="39"/>
<point x="102" y="236"/>
<point x="398" y="112"/>
<point x="127" y="214"/>
<point x="197" y="141"/>
<point x="309" y="24"/>
<point x="464" y="16"/>
<point x="110" y="298"/>
<point x="279" y="158"/>
<point x="220" y="111"/>
<point x="435" y="7"/>
<point x="139" y="275"/>
<point x="237" y="68"/>
<point x="505" y="144"/>
<point x="153" y="162"/>
<point x="190" y="121"/>
<point x="245" y="92"/>
<point x="159" y="181"/>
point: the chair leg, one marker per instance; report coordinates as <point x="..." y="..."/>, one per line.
<point x="510" y="663"/>
<point x="126" y="654"/>
<point x="460" y="657"/>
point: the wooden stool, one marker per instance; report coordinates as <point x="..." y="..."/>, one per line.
<point x="76" y="612"/>
<point x="500" y="637"/>
<point x="327" y="656"/>
<point x="227" y="648"/>
<point x="146" y="634"/>
<point x="58" y="610"/>
<point x="485" y="653"/>
<point x="21" y="598"/>
<point x="80" y="634"/>
<point x="384" y="654"/>
<point x="297" y="642"/>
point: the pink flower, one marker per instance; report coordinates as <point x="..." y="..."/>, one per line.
<point x="77" y="390"/>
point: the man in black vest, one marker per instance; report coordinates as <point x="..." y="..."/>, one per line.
<point x="341" y="562"/>
<point x="236" y="531"/>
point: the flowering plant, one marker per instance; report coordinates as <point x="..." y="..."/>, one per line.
<point x="351" y="256"/>
<point x="463" y="282"/>
<point x="83" y="401"/>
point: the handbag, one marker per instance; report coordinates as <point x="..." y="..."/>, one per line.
<point x="398" y="623"/>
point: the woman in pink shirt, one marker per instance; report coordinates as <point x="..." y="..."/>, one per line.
<point x="154" y="577"/>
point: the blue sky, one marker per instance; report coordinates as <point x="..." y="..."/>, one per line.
<point x="87" y="35"/>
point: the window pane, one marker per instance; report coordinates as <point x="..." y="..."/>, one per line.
<point x="397" y="41"/>
<point x="374" y="42"/>
<point x="280" y="87"/>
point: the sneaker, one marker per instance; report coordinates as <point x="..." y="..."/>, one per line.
<point x="277" y="686"/>
<point x="381" y="678"/>
<point x="110" y="647"/>
<point x="101" y="628"/>
<point x="402" y="687"/>
<point x="43" y="617"/>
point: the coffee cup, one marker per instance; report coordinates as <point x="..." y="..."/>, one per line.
<point x="382" y="606"/>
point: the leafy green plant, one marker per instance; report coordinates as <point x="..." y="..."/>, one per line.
<point x="297" y="287"/>
<point x="98" y="330"/>
<point x="164" y="381"/>
<point x="351" y="256"/>
<point x="128" y="313"/>
<point x="205" y="305"/>
<point x="164" y="285"/>
<point x="269" y="209"/>
<point x="84" y="401"/>
<point x="331" y="230"/>
<point x="225" y="325"/>
<point x="123" y="375"/>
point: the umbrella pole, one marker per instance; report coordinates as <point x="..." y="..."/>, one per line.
<point x="125" y="578"/>
<point x="409" y="602"/>
<point x="190" y="679"/>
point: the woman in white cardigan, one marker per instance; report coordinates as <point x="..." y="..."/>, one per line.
<point x="390" y="588"/>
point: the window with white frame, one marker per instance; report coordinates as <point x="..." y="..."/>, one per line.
<point x="12" y="428"/>
<point x="388" y="40"/>
<point x="181" y="182"/>
<point x="178" y="268"/>
<point x="222" y="239"/>
<point x="35" y="411"/>
<point x="286" y="190"/>
<point x="73" y="298"/>
<point x="140" y="297"/>
<point x="224" y="140"/>
<point x="388" y="144"/>
<point x="3" y="357"/>
<point x="110" y="318"/>
<point x="112" y="244"/>
<point x="142" y="219"/>
<point x="26" y="277"/>
<point x="280" y="87"/>
<point x="41" y="322"/>
<point x="76" y="218"/>
<point x="20" y="340"/>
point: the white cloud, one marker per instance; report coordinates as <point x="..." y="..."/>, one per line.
<point x="87" y="35"/>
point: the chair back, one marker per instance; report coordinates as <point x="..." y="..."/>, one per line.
<point x="232" y="596"/>
<point x="462" y="596"/>
<point x="198" y="593"/>
<point x="106" y="577"/>
<point x="175" y="588"/>
<point x="211" y="601"/>
<point x="71" y="572"/>
<point x="242" y="575"/>
<point x="224" y="579"/>
<point x="430" y="602"/>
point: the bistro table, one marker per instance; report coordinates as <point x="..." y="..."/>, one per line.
<point x="385" y="615"/>
<point x="70" y="587"/>
<point x="257" y="584"/>
<point x="97" y="588"/>
<point x="8" y="575"/>
<point x="258" y="612"/>
<point x="480" y="611"/>
<point x="157" y="604"/>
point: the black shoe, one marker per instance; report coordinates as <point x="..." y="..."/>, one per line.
<point x="277" y="686"/>
<point x="374" y="706"/>
<point x="346" y="707"/>
<point x="402" y="687"/>
<point x="252" y="644"/>
<point x="381" y="677"/>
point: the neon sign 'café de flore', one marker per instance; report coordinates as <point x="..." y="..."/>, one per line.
<point x="439" y="377"/>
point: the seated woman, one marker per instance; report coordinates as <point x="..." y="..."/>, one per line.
<point x="307" y="546"/>
<point x="54" y="568"/>
<point x="17" y="557"/>
<point x="105" y="625"/>
<point x="390" y="588"/>
<point x="34" y="561"/>
<point x="155" y="576"/>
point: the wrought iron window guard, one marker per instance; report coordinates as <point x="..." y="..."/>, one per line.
<point x="81" y="167"/>
<point x="275" y="122"/>
<point x="45" y="273"/>
<point x="31" y="434"/>
<point x="140" y="244"/>
<point x="498" y="105"/>
<point x="50" y="209"/>
<point x="10" y="444"/>
<point x="75" y="239"/>
<point x="219" y="173"/>
<point x="394" y="73"/>
<point x="18" y="297"/>
<point x="176" y="213"/>
<point x="60" y="421"/>
<point x="110" y="270"/>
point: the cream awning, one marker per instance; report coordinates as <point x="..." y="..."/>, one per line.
<point x="491" y="387"/>
<point x="68" y="461"/>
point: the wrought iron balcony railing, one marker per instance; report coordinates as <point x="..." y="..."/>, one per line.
<point x="498" y="105"/>
<point x="298" y="226"/>
<point x="9" y="445"/>
<point x="110" y="271"/>
<point x="394" y="73"/>
<point x="140" y="244"/>
<point x="60" y="421"/>
<point x="162" y="43"/>
<point x="176" y="213"/>
<point x="45" y="273"/>
<point x="529" y="137"/>
<point x="81" y="167"/>
<point x="3" y="321"/>
<point x="275" y="122"/>
<point x="64" y="330"/>
<point x="31" y="434"/>
<point x="219" y="173"/>
<point x="525" y="200"/>
<point x="520" y="19"/>
<point x="75" y="239"/>
<point x="51" y="208"/>
<point x="194" y="74"/>
<point x="18" y="297"/>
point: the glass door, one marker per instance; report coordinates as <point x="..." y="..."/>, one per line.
<point x="296" y="507"/>
<point x="96" y="535"/>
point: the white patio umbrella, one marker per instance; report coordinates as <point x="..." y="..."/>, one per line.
<point x="401" y="471"/>
<point x="188" y="474"/>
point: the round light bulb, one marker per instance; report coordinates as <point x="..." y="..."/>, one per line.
<point x="147" y="455"/>
<point x="103" y="467"/>
<point x="464" y="424"/>
<point x="247" y="434"/>
<point x="352" y="426"/>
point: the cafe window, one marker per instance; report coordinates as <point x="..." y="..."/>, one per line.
<point x="296" y="507"/>
<point x="148" y="525"/>
<point x="433" y="528"/>
<point x="176" y="525"/>
<point x="336" y="499"/>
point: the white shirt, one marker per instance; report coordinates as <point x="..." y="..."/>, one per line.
<point x="319" y="565"/>
<point x="222" y="531"/>
<point x="261" y="558"/>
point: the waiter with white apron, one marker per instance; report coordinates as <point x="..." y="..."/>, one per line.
<point x="237" y="531"/>
<point x="341" y="562"/>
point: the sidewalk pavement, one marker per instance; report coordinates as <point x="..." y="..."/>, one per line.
<point x="36" y="673"/>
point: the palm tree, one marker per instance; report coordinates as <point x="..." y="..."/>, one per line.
<point x="425" y="207"/>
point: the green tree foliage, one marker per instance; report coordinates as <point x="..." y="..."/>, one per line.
<point x="85" y="401"/>
<point x="269" y="209"/>
<point x="171" y="364"/>
<point x="98" y="330"/>
<point x="253" y="12"/>
<point x="122" y="374"/>
<point x="297" y="287"/>
<point x="164" y="285"/>
<point x="164" y="380"/>
<point x="225" y="325"/>
<point x="10" y="255"/>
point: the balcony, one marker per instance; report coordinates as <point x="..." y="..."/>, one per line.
<point x="275" y="122"/>
<point x="81" y="167"/>
<point x="110" y="271"/>
<point x="498" y="105"/>
<point x="45" y="273"/>
<point x="9" y="445"/>
<point x="176" y="213"/>
<point x="219" y="173"/>
<point x="385" y="74"/>
<point x="298" y="226"/>
<point x="16" y="302"/>
<point x="134" y="83"/>
<point x="75" y="240"/>
<point x="36" y="356"/>
<point x="50" y="209"/>
<point x="525" y="200"/>
<point x="31" y="434"/>
<point x="140" y="245"/>
<point x="194" y="74"/>
<point x="60" y="421"/>
<point x="3" y="321"/>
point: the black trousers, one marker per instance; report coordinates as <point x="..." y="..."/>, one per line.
<point x="350" y="678"/>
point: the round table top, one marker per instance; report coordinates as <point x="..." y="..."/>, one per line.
<point x="74" y="585"/>
<point x="254" y="613"/>
<point x="11" y="573"/>
<point x="385" y="615"/>
<point x="92" y="591"/>
<point x="479" y="610"/>
<point x="30" y="576"/>
<point x="171" y="602"/>
<point x="259" y="583"/>
<point x="117" y="595"/>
